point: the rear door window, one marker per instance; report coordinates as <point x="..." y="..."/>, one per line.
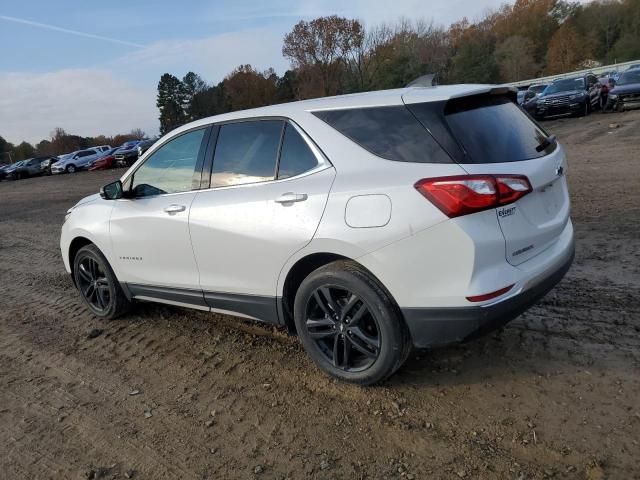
<point x="246" y="152"/>
<point x="392" y="133"/>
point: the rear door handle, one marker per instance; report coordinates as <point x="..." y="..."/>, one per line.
<point x="291" y="197"/>
<point x="173" y="209"/>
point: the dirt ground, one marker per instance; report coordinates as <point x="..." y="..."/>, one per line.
<point x="179" y="394"/>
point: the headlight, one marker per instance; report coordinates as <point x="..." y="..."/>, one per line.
<point x="576" y="95"/>
<point x="68" y="214"/>
<point x="613" y="96"/>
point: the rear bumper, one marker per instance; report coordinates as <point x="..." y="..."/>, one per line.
<point x="431" y="327"/>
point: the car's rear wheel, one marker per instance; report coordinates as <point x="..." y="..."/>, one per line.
<point x="98" y="285"/>
<point x="349" y="324"/>
<point x="71" y="168"/>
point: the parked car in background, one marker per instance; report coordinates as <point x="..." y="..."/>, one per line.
<point x="368" y="223"/>
<point x="569" y="96"/>
<point x="102" y="148"/>
<point x="10" y="169"/>
<point x="127" y="154"/>
<point x="144" y="145"/>
<point x="75" y="161"/>
<point x="3" y="168"/>
<point x="530" y="97"/>
<point x="104" y="162"/>
<point x="46" y="163"/>
<point x="27" y="168"/>
<point x="626" y="93"/>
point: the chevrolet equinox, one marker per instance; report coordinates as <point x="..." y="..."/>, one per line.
<point x="367" y="224"/>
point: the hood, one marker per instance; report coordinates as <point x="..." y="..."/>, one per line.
<point x="621" y="89"/>
<point x="85" y="200"/>
<point x="563" y="94"/>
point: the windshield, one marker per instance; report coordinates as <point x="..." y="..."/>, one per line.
<point x="567" y="85"/>
<point x="537" y="88"/>
<point x="629" y="77"/>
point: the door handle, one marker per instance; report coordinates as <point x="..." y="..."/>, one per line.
<point x="173" y="209"/>
<point x="291" y="197"/>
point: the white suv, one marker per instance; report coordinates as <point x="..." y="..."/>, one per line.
<point x="365" y="223"/>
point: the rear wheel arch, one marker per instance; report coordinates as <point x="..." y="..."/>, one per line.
<point x="301" y="270"/>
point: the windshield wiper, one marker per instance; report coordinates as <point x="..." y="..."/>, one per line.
<point x="550" y="140"/>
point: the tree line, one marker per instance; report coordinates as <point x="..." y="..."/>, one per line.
<point x="335" y="55"/>
<point x="61" y="142"/>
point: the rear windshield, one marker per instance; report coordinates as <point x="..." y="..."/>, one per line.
<point x="391" y="132"/>
<point x="492" y="129"/>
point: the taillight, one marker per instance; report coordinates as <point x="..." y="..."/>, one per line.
<point x="464" y="194"/>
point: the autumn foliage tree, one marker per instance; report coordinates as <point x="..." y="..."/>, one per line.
<point x="565" y="52"/>
<point x="515" y="59"/>
<point x="245" y="87"/>
<point x="318" y="50"/>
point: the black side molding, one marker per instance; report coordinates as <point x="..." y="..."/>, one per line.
<point x="179" y="295"/>
<point x="262" y="308"/>
<point x="258" y="307"/>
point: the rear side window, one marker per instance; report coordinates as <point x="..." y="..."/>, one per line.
<point x="493" y="129"/>
<point x="246" y="152"/>
<point x="295" y="156"/>
<point x="391" y="132"/>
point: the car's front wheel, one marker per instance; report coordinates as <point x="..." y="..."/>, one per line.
<point x="349" y="324"/>
<point x="98" y="285"/>
<point x="71" y="168"/>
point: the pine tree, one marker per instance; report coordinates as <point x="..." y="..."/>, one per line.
<point x="170" y="102"/>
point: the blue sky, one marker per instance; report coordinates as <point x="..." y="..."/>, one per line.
<point x="92" y="67"/>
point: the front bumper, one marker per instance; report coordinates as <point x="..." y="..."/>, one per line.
<point x="431" y="327"/>
<point x="560" y="110"/>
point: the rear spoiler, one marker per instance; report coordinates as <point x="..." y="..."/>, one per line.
<point x="500" y="91"/>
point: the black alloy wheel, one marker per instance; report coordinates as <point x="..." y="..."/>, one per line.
<point x="94" y="285"/>
<point x="343" y="328"/>
<point x="349" y="324"/>
<point x="98" y="285"/>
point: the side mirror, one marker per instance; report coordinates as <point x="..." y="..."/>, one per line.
<point x="112" y="191"/>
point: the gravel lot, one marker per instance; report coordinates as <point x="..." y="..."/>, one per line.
<point x="173" y="393"/>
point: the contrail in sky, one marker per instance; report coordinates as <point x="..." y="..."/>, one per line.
<point x="72" y="32"/>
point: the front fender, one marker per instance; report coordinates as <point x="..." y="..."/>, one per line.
<point x="90" y="221"/>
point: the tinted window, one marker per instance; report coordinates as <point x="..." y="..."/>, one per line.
<point x="169" y="169"/>
<point x="494" y="130"/>
<point x="392" y="133"/>
<point x="246" y="152"/>
<point x="295" y="157"/>
<point x="86" y="153"/>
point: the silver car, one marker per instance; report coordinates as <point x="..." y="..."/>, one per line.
<point x="75" y="161"/>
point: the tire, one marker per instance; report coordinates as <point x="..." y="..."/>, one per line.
<point x="71" y="168"/>
<point x="98" y="285"/>
<point x="587" y="109"/>
<point x="349" y="324"/>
